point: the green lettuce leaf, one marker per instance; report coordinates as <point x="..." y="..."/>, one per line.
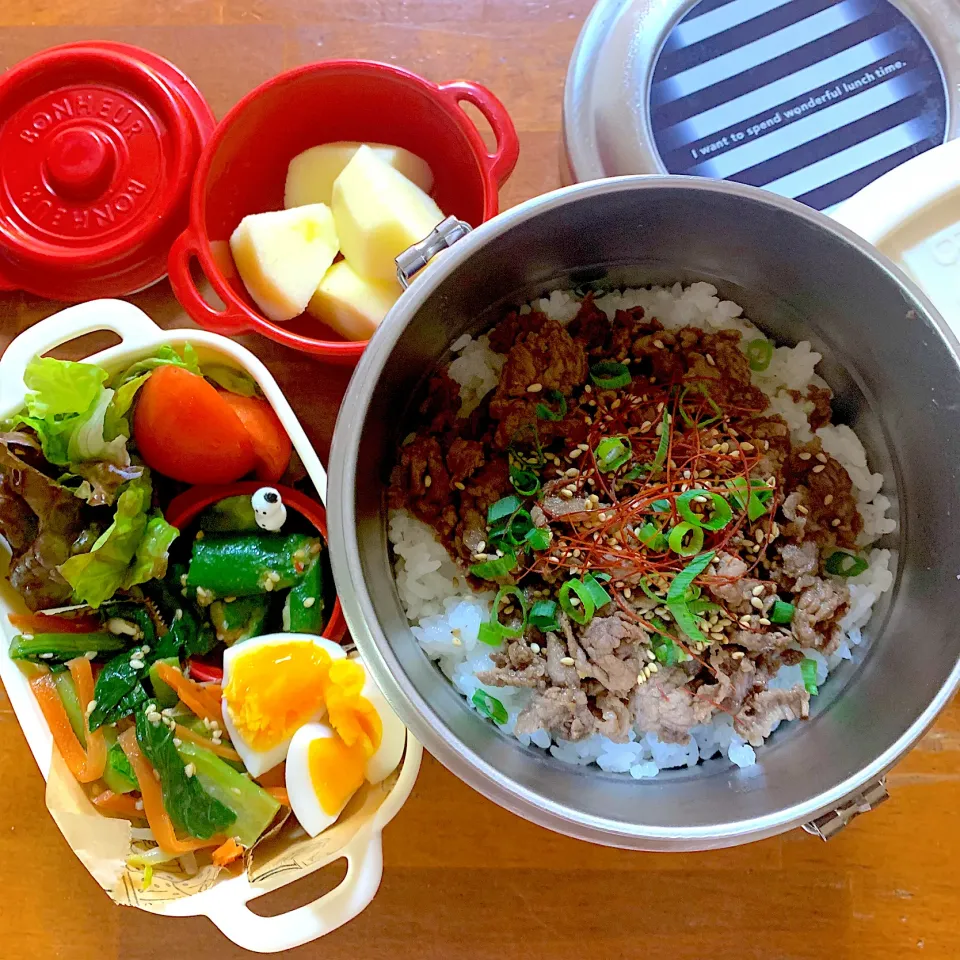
<point x="164" y="356"/>
<point x="96" y="576"/>
<point x="232" y="380"/>
<point x="59" y="388"/>
<point x="150" y="560"/>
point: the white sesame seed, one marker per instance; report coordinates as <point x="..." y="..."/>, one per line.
<point x="573" y="454"/>
<point x="711" y="361"/>
<point x="427" y="480"/>
<point x="654" y="668"/>
<point x="309" y="602"/>
<point x="138" y="805"/>
<point x="819" y="468"/>
<point x="737" y="655"/>
<point x="827" y="500"/>
<point x="136" y="664"/>
<point x="835" y="522"/>
<point x="567" y="661"/>
<point x="758" y="590"/>
<point x="658" y="344"/>
<point x="91" y="706"/>
<point x="459" y="485"/>
<point x="756" y="603"/>
<point x="822" y="457"/>
<point x="764" y="622"/>
<point x="189" y="770"/>
<point x="802" y="509"/>
<point x="804" y="456"/>
<point x="46" y="656"/>
<point x="565" y="493"/>
<point x="535" y="647"/>
<point x="749" y="447"/>
<point x="91" y="654"/>
<point x="535" y="388"/>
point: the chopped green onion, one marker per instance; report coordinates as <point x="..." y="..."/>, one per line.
<point x="842" y="564"/>
<point x="659" y="506"/>
<point x="651" y="536"/>
<point x="581" y="613"/>
<point x="502" y="508"/>
<point x="679" y="534"/>
<point x="722" y="514"/>
<point x="489" y="706"/>
<point x="760" y="494"/>
<point x="636" y="472"/>
<point x="599" y="596"/>
<point x="759" y="353"/>
<point x="518" y="526"/>
<point x="808" y="668"/>
<point x="612" y="453"/>
<point x="490" y="634"/>
<point x="546" y="413"/>
<point x="525" y="481"/>
<point x="538" y="538"/>
<point x="511" y="595"/>
<point x="543" y="615"/>
<point x="781" y="612"/>
<point x="665" y="649"/>
<point x="676" y="603"/>
<point x="536" y="458"/>
<point x="603" y="577"/>
<point x="702" y="606"/>
<point x="491" y="569"/>
<point x="661" y="458"/>
<point x="644" y="583"/>
<point x="610" y="375"/>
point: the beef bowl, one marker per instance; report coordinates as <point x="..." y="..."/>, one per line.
<point x="699" y="587"/>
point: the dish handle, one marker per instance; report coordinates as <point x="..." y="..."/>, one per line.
<point x="128" y="322"/>
<point x="229" y="321"/>
<point x="364" y="855"/>
<point x="501" y="162"/>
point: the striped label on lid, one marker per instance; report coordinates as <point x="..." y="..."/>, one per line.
<point x="812" y="99"/>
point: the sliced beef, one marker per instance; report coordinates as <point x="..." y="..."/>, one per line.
<point x="560" y="674"/>
<point x="513" y="326"/>
<point x="442" y="403"/>
<point x="560" y="711"/>
<point x="464" y="459"/>
<point x="763" y="711"/>
<point x="734" y="680"/>
<point x="665" y="706"/>
<point x="736" y="591"/>
<point x="516" y="666"/>
<point x="820" y="397"/>
<point x="799" y="560"/>
<point x="771" y="437"/>
<point x="816" y="610"/>
<point x="612" y="646"/>
<point x="795" y="509"/>
<point x="548" y="356"/>
<point x="421" y="483"/>
<point x="615" y="719"/>
<point x="756" y="641"/>
<point x="591" y="328"/>
<point x="833" y="515"/>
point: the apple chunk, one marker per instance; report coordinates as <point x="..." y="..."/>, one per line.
<point x="350" y="304"/>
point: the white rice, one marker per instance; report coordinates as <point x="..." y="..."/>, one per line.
<point x="446" y="614"/>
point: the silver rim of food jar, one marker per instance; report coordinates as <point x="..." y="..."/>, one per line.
<point x="375" y="646"/>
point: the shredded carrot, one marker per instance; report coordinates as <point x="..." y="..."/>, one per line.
<point x="86" y="765"/>
<point x="279" y="794"/>
<point x="274" y="777"/>
<point x="157" y="816"/>
<point x="199" y="699"/>
<point x="220" y="749"/>
<point x="227" y="852"/>
<point x="118" y="805"/>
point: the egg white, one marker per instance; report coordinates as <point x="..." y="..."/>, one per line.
<point x="303" y="796"/>
<point x="258" y="762"/>
<point x="394" y="736"/>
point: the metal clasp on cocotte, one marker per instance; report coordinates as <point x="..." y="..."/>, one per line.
<point x="415" y="258"/>
<point x="833" y="821"/>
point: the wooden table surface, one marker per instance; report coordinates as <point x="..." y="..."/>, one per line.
<point x="464" y="878"/>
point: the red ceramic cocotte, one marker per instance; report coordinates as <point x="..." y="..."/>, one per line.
<point x="184" y="509"/>
<point x="243" y="169"/>
<point x="98" y="144"/>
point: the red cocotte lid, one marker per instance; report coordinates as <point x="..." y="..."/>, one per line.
<point x="98" y="144"/>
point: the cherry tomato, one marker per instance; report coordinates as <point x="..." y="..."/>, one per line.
<point x="271" y="445"/>
<point x="185" y="429"/>
<point x="46" y="623"/>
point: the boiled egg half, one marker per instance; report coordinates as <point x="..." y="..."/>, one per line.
<point x="272" y="686"/>
<point x="362" y="739"/>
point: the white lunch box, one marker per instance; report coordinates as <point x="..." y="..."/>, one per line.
<point x="225" y="901"/>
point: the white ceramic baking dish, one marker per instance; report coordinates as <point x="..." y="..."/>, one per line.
<point x="225" y="902"/>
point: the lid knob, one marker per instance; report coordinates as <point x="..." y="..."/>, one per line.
<point x="79" y="163"/>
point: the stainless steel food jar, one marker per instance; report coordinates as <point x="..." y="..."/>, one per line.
<point x="894" y="367"/>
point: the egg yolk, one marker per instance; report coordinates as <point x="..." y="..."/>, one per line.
<point x="353" y="716"/>
<point x="274" y="690"/>
<point x="336" y="771"/>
